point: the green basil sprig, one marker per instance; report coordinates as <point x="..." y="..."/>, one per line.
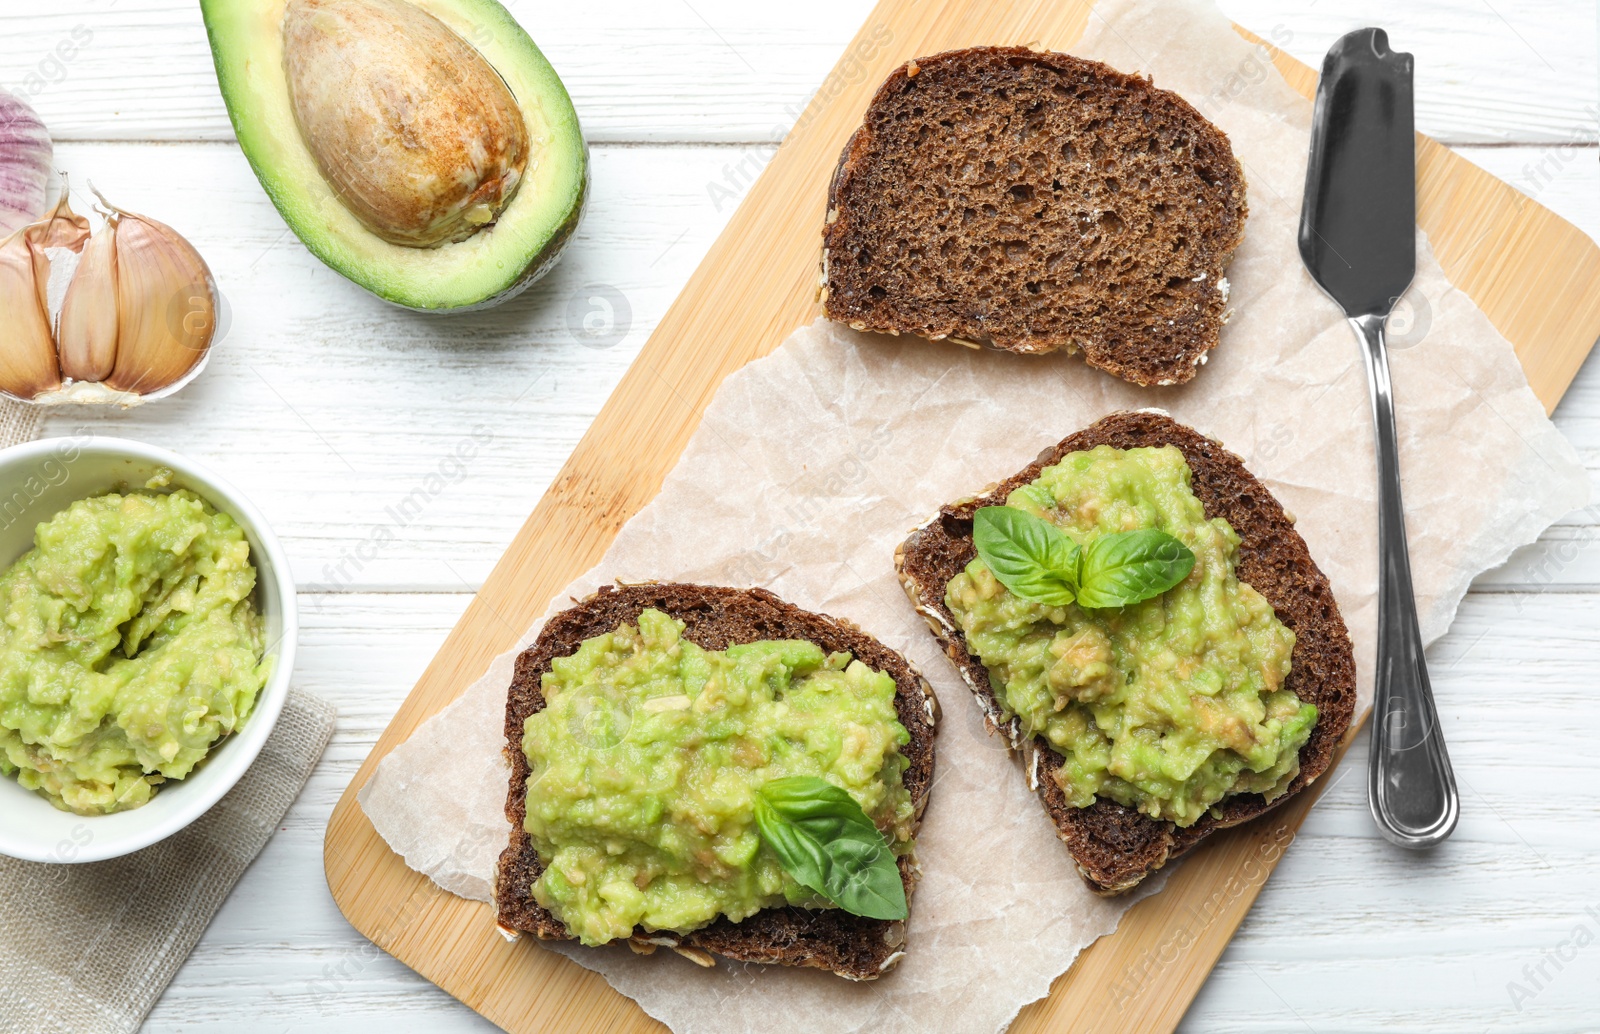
<point x="1038" y="561"/>
<point x="826" y="843"/>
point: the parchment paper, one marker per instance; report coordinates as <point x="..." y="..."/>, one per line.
<point x="813" y="463"/>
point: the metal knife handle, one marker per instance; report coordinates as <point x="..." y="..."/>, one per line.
<point x="1410" y="786"/>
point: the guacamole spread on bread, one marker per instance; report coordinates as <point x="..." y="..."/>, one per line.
<point x="647" y="758"/>
<point x="129" y="645"/>
<point x="1168" y="705"/>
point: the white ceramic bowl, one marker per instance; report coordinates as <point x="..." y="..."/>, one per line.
<point x="37" y="481"/>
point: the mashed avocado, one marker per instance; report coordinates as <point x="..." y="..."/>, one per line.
<point x="647" y="757"/>
<point x="1169" y="705"/>
<point x="130" y="645"/>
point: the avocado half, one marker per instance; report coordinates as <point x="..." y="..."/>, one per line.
<point x="486" y="268"/>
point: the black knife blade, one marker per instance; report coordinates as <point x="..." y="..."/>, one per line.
<point x="1358" y="225"/>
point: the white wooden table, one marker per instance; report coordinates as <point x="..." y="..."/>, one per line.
<point x="329" y="408"/>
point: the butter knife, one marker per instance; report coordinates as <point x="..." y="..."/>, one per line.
<point x="1358" y="239"/>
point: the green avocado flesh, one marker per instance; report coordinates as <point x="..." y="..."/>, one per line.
<point x="647" y="756"/>
<point x="1167" y="706"/>
<point x="492" y="264"/>
<point x="129" y="647"/>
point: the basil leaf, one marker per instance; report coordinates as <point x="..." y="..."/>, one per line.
<point x="1132" y="566"/>
<point x="826" y="843"/>
<point x="1031" y="557"/>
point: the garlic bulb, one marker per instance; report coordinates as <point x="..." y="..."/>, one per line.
<point x="25" y="155"/>
<point x="136" y="322"/>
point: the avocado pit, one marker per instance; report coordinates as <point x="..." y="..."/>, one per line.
<point x="415" y="132"/>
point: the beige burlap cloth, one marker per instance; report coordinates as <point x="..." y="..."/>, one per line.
<point x="86" y="949"/>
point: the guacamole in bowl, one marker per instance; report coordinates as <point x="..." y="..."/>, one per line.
<point x="208" y="729"/>
<point x="130" y="644"/>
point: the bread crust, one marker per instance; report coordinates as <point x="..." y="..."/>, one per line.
<point x="715" y="618"/>
<point x="1114" y="846"/>
<point x="1032" y="201"/>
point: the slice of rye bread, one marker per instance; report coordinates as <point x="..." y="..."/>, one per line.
<point x="1033" y="201"/>
<point x="715" y="618"/>
<point x="1115" y="846"/>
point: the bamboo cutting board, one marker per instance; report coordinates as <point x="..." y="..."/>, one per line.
<point x="1535" y="275"/>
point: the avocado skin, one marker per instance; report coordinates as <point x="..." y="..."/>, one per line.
<point x="245" y="91"/>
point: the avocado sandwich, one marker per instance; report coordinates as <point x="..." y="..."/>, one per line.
<point x="715" y="771"/>
<point x="1034" y="201"/>
<point x="1137" y="616"/>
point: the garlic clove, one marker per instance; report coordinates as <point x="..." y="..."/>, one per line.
<point x="28" y="365"/>
<point x="27" y="355"/>
<point x="86" y="337"/>
<point x="166" y="305"/>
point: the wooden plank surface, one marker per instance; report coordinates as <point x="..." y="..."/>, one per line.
<point x="737" y="71"/>
<point x="754" y="286"/>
